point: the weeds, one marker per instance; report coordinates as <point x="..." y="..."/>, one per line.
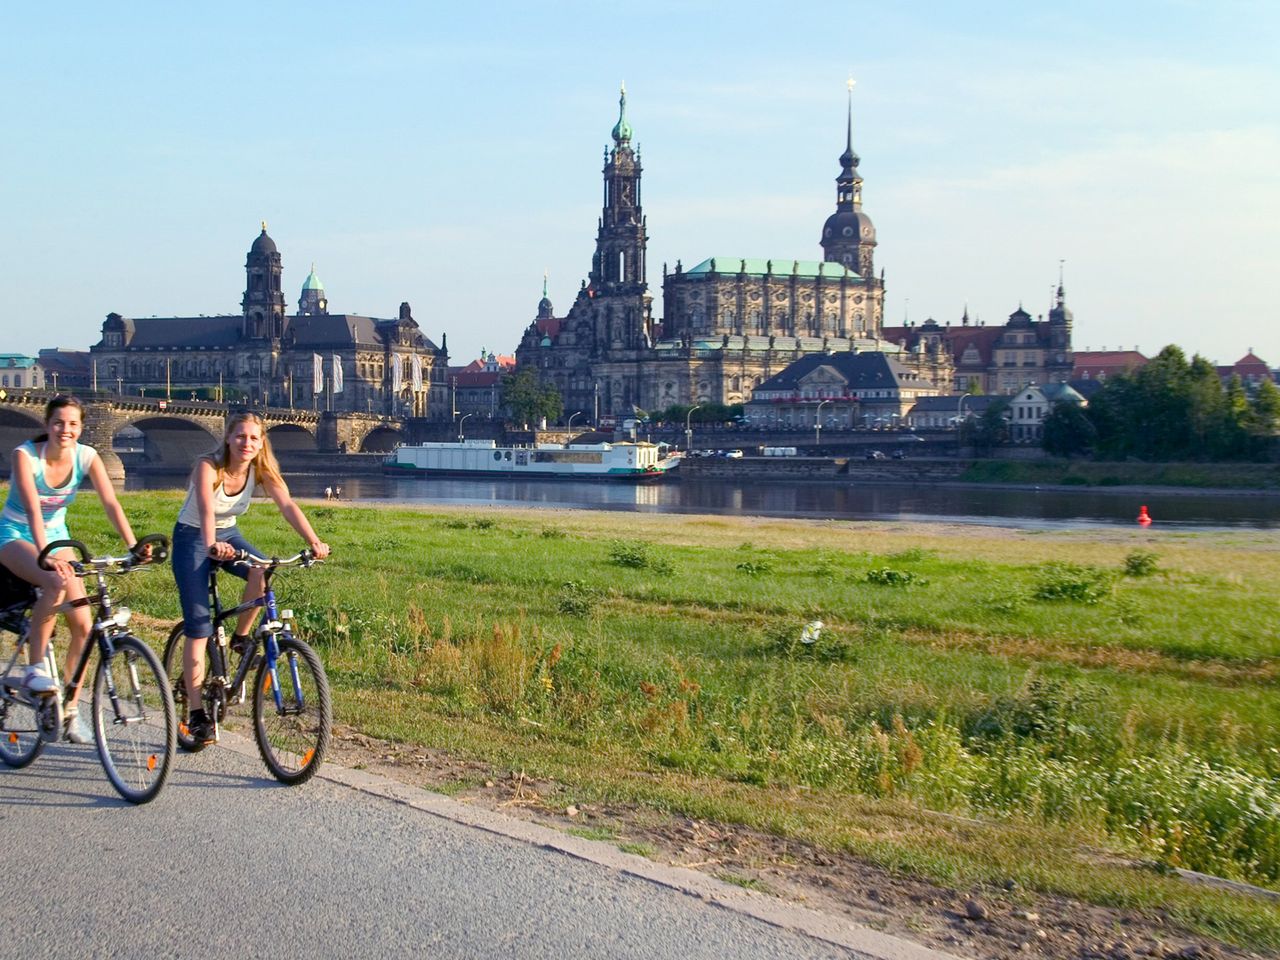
<point x="889" y="577"/>
<point x="1059" y="581"/>
<point x="1140" y="563"/>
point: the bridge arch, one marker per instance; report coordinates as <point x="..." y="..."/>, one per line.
<point x="17" y="426"/>
<point x="381" y="440"/>
<point x="289" y="437"/>
<point x="174" y="442"/>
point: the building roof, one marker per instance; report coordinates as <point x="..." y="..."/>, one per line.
<point x="752" y="266"/>
<point x="1093" y="364"/>
<point x="861" y="371"/>
<point x="178" y="332"/>
<point x="16" y="361"/>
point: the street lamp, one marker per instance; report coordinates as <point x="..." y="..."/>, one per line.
<point x="688" y="428"/>
<point x="960" y="420"/>
<point x="817" y="424"/>
<point x="575" y="413"/>
<point x="460" y="420"/>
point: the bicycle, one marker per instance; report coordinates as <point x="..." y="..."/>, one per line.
<point x="292" y="719"/>
<point x="134" y="721"/>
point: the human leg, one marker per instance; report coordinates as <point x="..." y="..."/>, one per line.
<point x="19" y="556"/>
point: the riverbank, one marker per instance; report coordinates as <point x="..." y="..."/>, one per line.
<point x="981" y="707"/>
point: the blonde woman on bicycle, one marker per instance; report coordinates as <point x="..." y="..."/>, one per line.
<point x="221" y="487"/>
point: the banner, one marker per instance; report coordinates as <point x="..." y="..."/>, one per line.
<point x="317" y="373"/>
<point x="397" y="374"/>
<point x="417" y="373"/>
<point x="337" y="374"/>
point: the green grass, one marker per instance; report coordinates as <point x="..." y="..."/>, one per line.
<point x="1050" y="686"/>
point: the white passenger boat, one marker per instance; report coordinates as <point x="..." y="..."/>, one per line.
<point x="633" y="462"/>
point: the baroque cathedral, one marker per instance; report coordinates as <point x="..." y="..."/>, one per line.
<point x="264" y="355"/>
<point x="730" y="322"/>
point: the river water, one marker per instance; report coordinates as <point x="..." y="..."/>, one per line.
<point x="1028" y="508"/>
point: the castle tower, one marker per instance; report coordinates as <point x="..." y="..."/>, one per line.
<point x="849" y="236"/>
<point x="1060" y="320"/>
<point x="263" y="301"/>
<point x="618" y="265"/>
<point x="313" y="302"/>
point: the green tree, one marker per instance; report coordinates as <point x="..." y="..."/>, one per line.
<point x="1264" y="415"/>
<point x="1068" y="430"/>
<point x="528" y="400"/>
<point x="988" y="430"/>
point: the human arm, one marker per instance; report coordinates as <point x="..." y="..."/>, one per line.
<point x="110" y="504"/>
<point x="279" y="492"/>
<point x="204" y="477"/>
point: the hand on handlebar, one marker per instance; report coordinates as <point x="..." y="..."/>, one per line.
<point x="320" y="549"/>
<point x="222" y="551"/>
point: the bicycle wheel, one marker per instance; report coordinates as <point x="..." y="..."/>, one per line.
<point x="134" y="720"/>
<point x="293" y="732"/>
<point x="20" y="740"/>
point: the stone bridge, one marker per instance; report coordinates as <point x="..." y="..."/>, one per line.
<point x="175" y="432"/>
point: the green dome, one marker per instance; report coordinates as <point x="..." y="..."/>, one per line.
<point x="622" y="129"/>
<point x="312" y="282"/>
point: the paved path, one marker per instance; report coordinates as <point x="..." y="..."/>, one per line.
<point x="228" y="863"/>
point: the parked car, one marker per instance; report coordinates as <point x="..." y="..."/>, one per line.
<point x="874" y="455"/>
<point x="731" y="454"/>
<point x="899" y="454"/>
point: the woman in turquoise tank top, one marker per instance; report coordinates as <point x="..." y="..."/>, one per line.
<point x="44" y="475"/>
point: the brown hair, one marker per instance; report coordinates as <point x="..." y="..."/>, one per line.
<point x="265" y="467"/>
<point x="57" y="403"/>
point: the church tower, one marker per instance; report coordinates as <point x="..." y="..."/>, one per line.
<point x="618" y="265"/>
<point x="849" y="236"/>
<point x="263" y="301"/>
<point x="1060" y="320"/>
<point x="313" y="302"/>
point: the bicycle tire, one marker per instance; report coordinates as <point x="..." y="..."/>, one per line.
<point x="293" y="741"/>
<point x="178" y="683"/>
<point x="20" y="740"/>
<point x="136" y="733"/>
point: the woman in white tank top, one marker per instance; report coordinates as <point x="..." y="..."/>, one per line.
<point x="222" y="484"/>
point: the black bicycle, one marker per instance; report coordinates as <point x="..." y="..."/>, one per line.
<point x="134" y="721"/>
<point x="292" y="719"/>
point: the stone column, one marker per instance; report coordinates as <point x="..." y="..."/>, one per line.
<point x="99" y="430"/>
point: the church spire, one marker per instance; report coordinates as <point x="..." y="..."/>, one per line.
<point x="848" y="236"/>
<point x="622" y="129"/>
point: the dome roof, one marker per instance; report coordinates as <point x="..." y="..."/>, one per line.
<point x="263" y="244"/>
<point x="622" y="129"/>
<point x="848" y="225"/>
<point x="312" y="282"/>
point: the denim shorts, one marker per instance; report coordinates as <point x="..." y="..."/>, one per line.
<point x="190" y="561"/>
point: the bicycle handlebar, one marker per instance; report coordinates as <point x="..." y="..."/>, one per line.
<point x="158" y="542"/>
<point x="304" y="558"/>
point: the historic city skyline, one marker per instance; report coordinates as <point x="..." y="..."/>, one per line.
<point x="448" y="162"/>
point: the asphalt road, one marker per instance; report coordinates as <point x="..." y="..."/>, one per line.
<point x="228" y="863"/>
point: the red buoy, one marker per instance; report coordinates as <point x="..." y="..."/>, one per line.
<point x="1144" y="518"/>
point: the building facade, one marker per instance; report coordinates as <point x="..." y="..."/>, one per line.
<point x="264" y="355"/>
<point x="838" y="391"/>
<point x="730" y="322"/>
<point x="970" y="357"/>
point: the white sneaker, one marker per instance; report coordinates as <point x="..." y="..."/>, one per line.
<point x="37" y="679"/>
<point x="75" y="729"/>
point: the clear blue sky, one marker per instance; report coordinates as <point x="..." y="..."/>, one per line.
<point x="446" y="154"/>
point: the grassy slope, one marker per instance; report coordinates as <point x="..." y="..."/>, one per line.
<point x="654" y="659"/>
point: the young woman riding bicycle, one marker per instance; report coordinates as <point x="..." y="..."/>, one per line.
<point x="221" y="487"/>
<point x="45" y="474"/>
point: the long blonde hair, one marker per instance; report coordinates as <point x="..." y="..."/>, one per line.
<point x="266" y="469"/>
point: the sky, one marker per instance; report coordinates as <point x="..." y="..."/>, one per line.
<point x="448" y="154"/>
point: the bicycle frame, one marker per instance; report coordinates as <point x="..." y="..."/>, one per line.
<point x="270" y="624"/>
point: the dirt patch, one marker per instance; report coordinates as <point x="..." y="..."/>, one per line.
<point x="996" y="923"/>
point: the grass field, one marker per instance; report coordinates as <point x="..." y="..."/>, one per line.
<point x="979" y="704"/>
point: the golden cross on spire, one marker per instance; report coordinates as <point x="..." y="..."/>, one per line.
<point x="851" y="83"/>
<point x="264" y="226"/>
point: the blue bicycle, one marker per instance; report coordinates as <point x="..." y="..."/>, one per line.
<point x="292" y="718"/>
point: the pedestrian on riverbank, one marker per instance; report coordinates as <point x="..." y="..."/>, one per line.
<point x="221" y="487"/>
<point x="328" y="493"/>
<point x="45" y="474"/>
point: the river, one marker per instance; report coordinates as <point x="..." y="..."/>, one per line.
<point x="1055" y="508"/>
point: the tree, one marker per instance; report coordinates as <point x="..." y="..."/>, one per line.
<point x="528" y="400"/>
<point x="1068" y="430"/>
<point x="988" y="430"/>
